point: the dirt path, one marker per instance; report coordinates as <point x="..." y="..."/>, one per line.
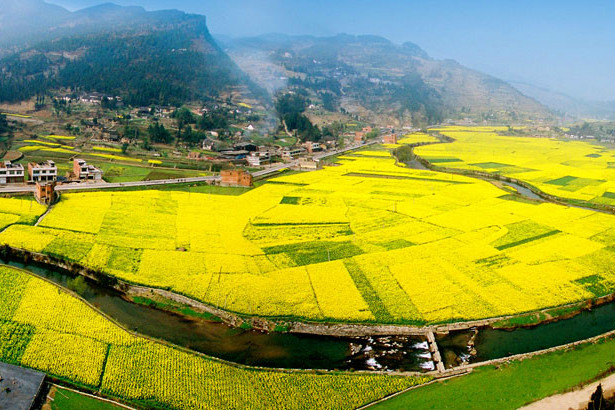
<point x="575" y="400"/>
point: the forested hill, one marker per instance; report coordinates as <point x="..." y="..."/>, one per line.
<point x="164" y="57"/>
<point x="372" y="76"/>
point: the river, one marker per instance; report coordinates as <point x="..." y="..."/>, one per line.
<point x="249" y="347"/>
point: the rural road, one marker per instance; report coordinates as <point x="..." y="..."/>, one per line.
<point x="19" y="188"/>
<point x="574" y="400"/>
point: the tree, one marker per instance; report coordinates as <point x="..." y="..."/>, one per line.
<point x="108" y="104"/>
<point x="132" y="133"/>
<point x="5" y="127"/>
<point x="291" y="107"/>
<point x="158" y="133"/>
<point x="183" y="117"/>
<point x="213" y="120"/>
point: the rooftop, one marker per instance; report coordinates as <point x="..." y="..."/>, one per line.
<point x="10" y="165"/>
<point x="45" y="164"/>
<point x="19" y="387"/>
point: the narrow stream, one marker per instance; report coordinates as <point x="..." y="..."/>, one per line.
<point x="522" y="191"/>
<point x="494" y="344"/>
<point x="280" y="350"/>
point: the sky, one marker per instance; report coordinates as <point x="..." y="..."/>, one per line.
<point x="566" y="45"/>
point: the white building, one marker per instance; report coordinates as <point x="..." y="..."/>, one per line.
<point x="291" y="153"/>
<point x="12" y="173"/>
<point x="259" y="158"/>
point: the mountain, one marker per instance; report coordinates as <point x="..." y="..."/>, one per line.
<point x="162" y="57"/>
<point x="24" y="20"/>
<point x="372" y="77"/>
<point x="570" y="107"/>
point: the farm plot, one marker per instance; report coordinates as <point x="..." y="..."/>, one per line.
<point x="574" y="170"/>
<point x="363" y="241"/>
<point x="19" y="211"/>
<point x="45" y="328"/>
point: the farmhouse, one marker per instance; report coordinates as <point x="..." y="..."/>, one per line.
<point x="260" y="158"/>
<point x="85" y="172"/>
<point x="12" y="173"/>
<point x="236" y="177"/>
<point x="291" y="153"/>
<point x="245" y="146"/>
<point x="358" y="136"/>
<point x="309" y="164"/>
<point x="390" y="139"/>
<point x="234" y="155"/>
<point x="45" y="192"/>
<point x="43" y="172"/>
<point x="209" y="144"/>
<point x="312" y="147"/>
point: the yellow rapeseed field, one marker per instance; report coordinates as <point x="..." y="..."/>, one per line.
<point x="47" y="329"/>
<point x="363" y="241"/>
<point x="568" y="169"/>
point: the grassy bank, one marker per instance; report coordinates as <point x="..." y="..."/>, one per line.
<point x="511" y="385"/>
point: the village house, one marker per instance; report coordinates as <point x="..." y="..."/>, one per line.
<point x="236" y="177"/>
<point x="390" y="139"/>
<point x="96" y="98"/>
<point x="43" y="172"/>
<point x="45" y="192"/>
<point x="234" y="155"/>
<point x="289" y="154"/>
<point x="12" y="173"/>
<point x="209" y="144"/>
<point x="84" y="172"/>
<point x="259" y="158"/>
<point x="312" y="147"/>
<point x="245" y="146"/>
<point x="309" y="164"/>
<point x="143" y="111"/>
<point x="358" y="136"/>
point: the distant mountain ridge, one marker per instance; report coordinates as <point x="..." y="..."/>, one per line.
<point x="160" y="57"/>
<point x="169" y="57"/>
<point x="569" y="107"/>
<point x="396" y="82"/>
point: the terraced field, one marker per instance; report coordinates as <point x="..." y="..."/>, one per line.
<point x="44" y="328"/>
<point x="575" y="170"/>
<point x="363" y="241"/>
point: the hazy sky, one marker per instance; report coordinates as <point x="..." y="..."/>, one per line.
<point x="564" y="45"/>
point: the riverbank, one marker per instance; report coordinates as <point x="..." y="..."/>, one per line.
<point x="514" y="383"/>
<point x="308" y="328"/>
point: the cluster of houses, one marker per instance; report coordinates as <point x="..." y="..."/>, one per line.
<point x="261" y="155"/>
<point x="90" y="98"/>
<point x="47" y="171"/>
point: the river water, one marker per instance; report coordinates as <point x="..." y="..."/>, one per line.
<point x="495" y="344"/>
<point x="299" y="351"/>
<point x="279" y="350"/>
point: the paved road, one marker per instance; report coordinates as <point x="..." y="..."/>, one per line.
<point x="13" y="189"/>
